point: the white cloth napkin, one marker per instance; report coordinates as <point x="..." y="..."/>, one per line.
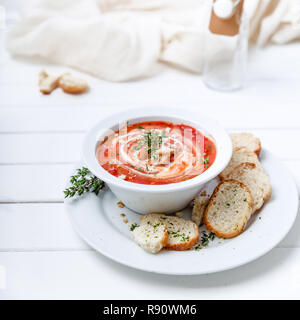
<point x="120" y="40"/>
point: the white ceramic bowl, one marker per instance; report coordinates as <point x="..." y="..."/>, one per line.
<point x="157" y="198"/>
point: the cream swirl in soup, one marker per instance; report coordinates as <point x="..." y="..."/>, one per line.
<point x="156" y="152"/>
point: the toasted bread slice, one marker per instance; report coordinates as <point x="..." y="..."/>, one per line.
<point x="47" y="83"/>
<point x="247" y="141"/>
<point x="239" y="156"/>
<point x="71" y="84"/>
<point x="182" y="234"/>
<point x="229" y="209"/>
<point x="152" y="234"/>
<point x="200" y="204"/>
<point x="255" y="179"/>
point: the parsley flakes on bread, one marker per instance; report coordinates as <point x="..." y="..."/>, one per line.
<point x="159" y="231"/>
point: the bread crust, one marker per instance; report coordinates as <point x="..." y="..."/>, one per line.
<point x="165" y="238"/>
<point x="246" y="218"/>
<point x="47" y="92"/>
<point x="268" y="195"/>
<point x="73" y="89"/>
<point x="257" y="151"/>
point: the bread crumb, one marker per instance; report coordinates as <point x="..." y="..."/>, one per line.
<point x="120" y="204"/>
<point x="179" y="214"/>
<point x="123" y="215"/>
<point x="203" y="193"/>
<point x="125" y="220"/>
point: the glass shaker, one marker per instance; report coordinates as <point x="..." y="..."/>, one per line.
<point x="226" y="46"/>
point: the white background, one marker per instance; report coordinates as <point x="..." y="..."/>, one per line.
<point x="40" y="141"/>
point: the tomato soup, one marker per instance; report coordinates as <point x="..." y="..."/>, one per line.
<point x="156" y="152"/>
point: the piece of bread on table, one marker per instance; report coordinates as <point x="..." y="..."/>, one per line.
<point x="255" y="179"/>
<point x="229" y="209"/>
<point x="70" y="84"/>
<point x="152" y="234"/>
<point x="239" y="156"/>
<point x="182" y="234"/>
<point x="200" y="204"/>
<point x="247" y="141"/>
<point x="47" y="83"/>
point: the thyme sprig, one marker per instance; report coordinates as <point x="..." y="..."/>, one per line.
<point x="152" y="141"/>
<point x="83" y="181"/>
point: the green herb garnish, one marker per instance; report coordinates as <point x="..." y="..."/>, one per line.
<point x="152" y="141"/>
<point x="206" y="162"/>
<point x="179" y="235"/>
<point x="133" y="226"/>
<point x="205" y="238"/>
<point x="83" y="181"/>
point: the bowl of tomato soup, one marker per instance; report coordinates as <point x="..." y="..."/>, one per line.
<point x="156" y="152"/>
<point x="156" y="160"/>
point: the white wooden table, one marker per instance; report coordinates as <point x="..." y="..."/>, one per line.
<point x="40" y="140"/>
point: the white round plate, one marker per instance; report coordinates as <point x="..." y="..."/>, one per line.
<point x="98" y="220"/>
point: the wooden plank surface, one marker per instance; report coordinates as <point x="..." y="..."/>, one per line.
<point x="33" y="183"/>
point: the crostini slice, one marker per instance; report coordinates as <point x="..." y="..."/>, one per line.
<point x="229" y="209"/>
<point x="239" y="156"/>
<point x="247" y="141"/>
<point x="255" y="179"/>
